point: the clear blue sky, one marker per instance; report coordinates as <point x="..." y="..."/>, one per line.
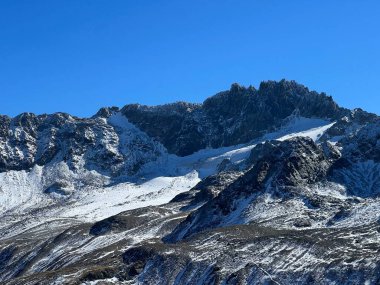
<point x="78" y="55"/>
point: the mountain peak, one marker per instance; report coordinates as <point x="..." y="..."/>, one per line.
<point x="231" y="117"/>
<point x="299" y="179"/>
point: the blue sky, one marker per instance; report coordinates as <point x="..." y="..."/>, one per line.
<point x="78" y="55"/>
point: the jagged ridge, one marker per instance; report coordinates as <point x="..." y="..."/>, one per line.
<point x="231" y="117"/>
<point x="286" y="211"/>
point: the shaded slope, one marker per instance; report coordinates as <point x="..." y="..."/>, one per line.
<point x="231" y="117"/>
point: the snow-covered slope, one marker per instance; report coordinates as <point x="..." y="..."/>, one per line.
<point x="169" y="198"/>
<point x="23" y="193"/>
<point x="27" y="208"/>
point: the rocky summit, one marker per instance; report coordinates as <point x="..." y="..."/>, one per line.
<point x="269" y="185"/>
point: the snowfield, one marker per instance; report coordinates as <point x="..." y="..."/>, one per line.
<point x="147" y="194"/>
<point x="64" y="218"/>
<point x="22" y="196"/>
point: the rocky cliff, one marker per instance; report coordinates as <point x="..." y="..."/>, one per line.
<point x="275" y="185"/>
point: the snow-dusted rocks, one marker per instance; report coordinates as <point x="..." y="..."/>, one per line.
<point x="109" y="145"/>
<point x="232" y="117"/>
<point x="271" y="186"/>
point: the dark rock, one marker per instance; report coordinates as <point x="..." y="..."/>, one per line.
<point x="61" y="187"/>
<point x="232" y="117"/>
<point x="302" y="223"/>
<point x="116" y="223"/>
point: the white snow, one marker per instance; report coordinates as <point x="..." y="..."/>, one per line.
<point x="301" y="127"/>
<point x="97" y="204"/>
<point x="21" y="192"/>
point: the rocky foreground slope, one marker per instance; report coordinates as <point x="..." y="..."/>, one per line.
<point x="278" y="185"/>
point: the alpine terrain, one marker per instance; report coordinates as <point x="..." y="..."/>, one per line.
<point x="274" y="185"/>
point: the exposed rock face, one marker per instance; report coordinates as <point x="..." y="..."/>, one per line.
<point x="231" y="117"/>
<point x="104" y="143"/>
<point x="284" y="209"/>
<point x="287" y="170"/>
<point x="207" y="189"/>
<point x="277" y="168"/>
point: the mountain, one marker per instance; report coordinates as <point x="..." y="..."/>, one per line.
<point x="232" y="117"/>
<point x="275" y="185"/>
